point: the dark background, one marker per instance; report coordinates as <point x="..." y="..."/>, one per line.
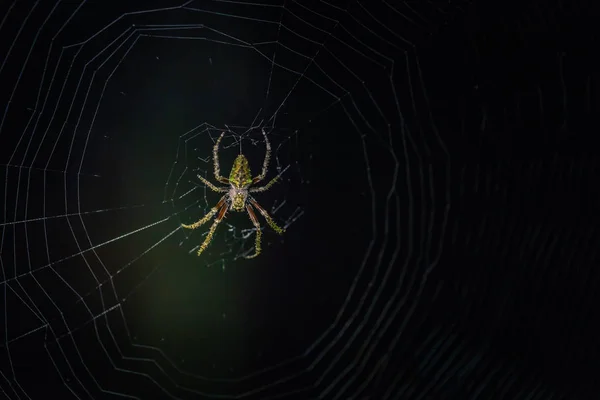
<point x="441" y="203"/>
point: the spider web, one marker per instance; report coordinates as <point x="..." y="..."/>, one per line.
<point x="111" y="112"/>
<point x="92" y="241"/>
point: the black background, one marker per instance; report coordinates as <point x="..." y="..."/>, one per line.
<point x="447" y="175"/>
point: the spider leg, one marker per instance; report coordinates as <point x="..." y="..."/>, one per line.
<point x="264" y="188"/>
<point x="263" y="173"/>
<point x="266" y="215"/>
<point x="211" y="186"/>
<point x="218" y="176"/>
<point x="208" y="216"/>
<point x="268" y="185"/>
<point x="212" y="229"/>
<point x="258" y="230"/>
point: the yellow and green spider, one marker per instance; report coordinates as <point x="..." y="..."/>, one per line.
<point x="237" y="195"/>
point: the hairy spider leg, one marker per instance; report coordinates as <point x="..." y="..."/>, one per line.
<point x="211" y="186"/>
<point x="263" y="173"/>
<point x="208" y="216"/>
<point x="266" y="215"/>
<point x="258" y="231"/>
<point x="213" y="228"/>
<point x="218" y="176"/>
<point x="268" y="185"/>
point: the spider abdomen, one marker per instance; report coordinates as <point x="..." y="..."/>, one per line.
<point x="240" y="172"/>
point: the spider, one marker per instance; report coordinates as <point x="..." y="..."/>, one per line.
<point x="237" y="195"/>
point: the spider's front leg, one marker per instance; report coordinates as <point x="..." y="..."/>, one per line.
<point x="208" y="216"/>
<point x="266" y="215"/>
<point x="213" y="228"/>
<point x="218" y="176"/>
<point x="263" y="173"/>
<point x="258" y="231"/>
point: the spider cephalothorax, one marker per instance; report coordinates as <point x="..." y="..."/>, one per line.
<point x="237" y="196"/>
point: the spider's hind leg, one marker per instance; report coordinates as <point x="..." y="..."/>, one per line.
<point x="265" y="166"/>
<point x="217" y="171"/>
